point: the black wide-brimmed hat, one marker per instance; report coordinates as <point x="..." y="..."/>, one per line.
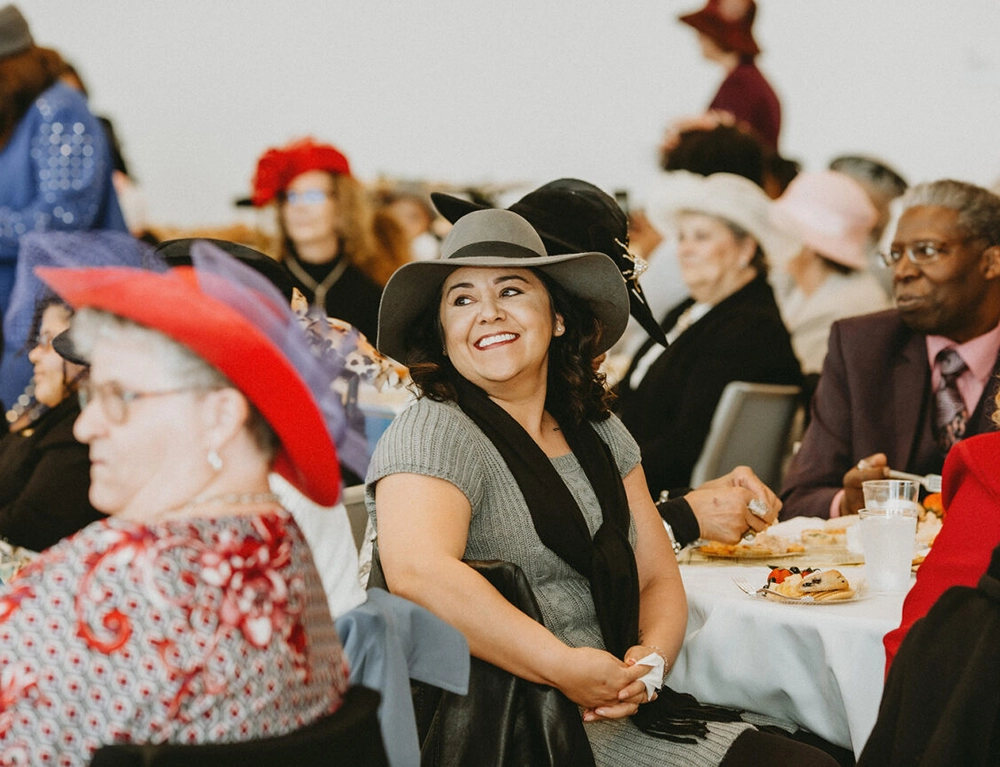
<point x="178" y="253"/>
<point x="573" y="216"/>
<point x="499" y="238"/>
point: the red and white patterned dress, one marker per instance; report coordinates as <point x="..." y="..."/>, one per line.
<point x="190" y="631"/>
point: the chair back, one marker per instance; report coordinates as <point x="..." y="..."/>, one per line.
<point x="353" y="498"/>
<point x="350" y="735"/>
<point x="751" y="427"/>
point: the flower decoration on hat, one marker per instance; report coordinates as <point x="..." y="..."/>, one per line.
<point x="279" y="165"/>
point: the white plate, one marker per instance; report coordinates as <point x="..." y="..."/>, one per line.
<point x="860" y="593"/>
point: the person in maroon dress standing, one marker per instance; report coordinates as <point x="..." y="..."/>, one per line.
<point x="725" y="34"/>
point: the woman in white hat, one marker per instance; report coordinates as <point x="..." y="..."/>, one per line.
<point x="728" y="329"/>
<point x="510" y="453"/>
<point x="828" y="279"/>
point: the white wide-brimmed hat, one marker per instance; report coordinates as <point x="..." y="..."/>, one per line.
<point x="723" y="195"/>
<point x="830" y="213"/>
<point x="493" y="238"/>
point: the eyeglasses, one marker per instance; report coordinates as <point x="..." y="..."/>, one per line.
<point x="114" y="400"/>
<point x="921" y="253"/>
<point x="44" y="340"/>
<point x="306" y="197"/>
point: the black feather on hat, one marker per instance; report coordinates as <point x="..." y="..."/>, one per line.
<point x="574" y="216"/>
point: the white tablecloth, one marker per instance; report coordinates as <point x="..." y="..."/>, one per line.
<point x="820" y="666"/>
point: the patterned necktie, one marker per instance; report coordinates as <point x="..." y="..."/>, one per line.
<point x="951" y="415"/>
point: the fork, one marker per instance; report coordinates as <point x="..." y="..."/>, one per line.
<point x="764" y="593"/>
<point x="931" y="482"/>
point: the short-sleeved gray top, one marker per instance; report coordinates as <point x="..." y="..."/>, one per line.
<point x="437" y="439"/>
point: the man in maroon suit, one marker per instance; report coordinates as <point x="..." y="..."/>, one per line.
<point x="899" y="387"/>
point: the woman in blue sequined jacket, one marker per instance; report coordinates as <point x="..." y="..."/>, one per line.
<point x="54" y="161"/>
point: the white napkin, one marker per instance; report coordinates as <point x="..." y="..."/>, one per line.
<point x="653" y="679"/>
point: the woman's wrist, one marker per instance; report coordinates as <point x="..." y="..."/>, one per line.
<point x="661" y="653"/>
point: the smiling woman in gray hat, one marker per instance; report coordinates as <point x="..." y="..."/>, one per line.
<point x="510" y="453"/>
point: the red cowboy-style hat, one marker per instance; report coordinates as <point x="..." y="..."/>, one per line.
<point x="247" y="333"/>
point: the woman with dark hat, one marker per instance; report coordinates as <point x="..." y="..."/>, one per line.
<point x="573" y="216"/>
<point x="725" y="35"/>
<point x="55" y="165"/>
<point x="194" y="613"/>
<point x="44" y="470"/>
<point x="510" y="453"/>
<point x="338" y="249"/>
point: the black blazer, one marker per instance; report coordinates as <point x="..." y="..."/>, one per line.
<point x="740" y="339"/>
<point x="44" y="481"/>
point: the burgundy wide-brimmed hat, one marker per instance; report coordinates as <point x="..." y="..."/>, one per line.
<point x="279" y="165"/>
<point x="239" y="323"/>
<point x="728" y="22"/>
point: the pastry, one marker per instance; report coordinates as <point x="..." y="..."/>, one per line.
<point x="819" y="585"/>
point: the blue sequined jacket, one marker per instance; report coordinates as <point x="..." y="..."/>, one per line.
<point x="55" y="173"/>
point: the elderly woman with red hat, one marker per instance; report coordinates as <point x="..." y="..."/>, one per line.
<point x="725" y="35"/>
<point x="194" y="613"/>
<point x="340" y="251"/>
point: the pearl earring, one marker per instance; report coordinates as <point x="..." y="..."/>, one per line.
<point x="214" y="460"/>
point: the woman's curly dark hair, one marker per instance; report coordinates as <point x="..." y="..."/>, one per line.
<point x="575" y="388"/>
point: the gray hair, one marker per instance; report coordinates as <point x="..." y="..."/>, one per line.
<point x="872" y="173"/>
<point x="186" y="368"/>
<point x="978" y="208"/>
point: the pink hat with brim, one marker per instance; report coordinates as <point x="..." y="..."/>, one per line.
<point x="177" y="304"/>
<point x="830" y="213"/>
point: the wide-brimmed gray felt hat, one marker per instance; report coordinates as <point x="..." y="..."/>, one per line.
<point x="500" y="238"/>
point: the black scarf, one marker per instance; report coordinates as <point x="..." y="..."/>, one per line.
<point x="606" y="560"/>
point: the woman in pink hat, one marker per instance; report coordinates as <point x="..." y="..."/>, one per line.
<point x="338" y="249"/>
<point x="726" y="38"/>
<point x="828" y="279"/>
<point x="194" y="613"/>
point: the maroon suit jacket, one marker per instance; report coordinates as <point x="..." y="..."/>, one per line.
<point x="874" y="396"/>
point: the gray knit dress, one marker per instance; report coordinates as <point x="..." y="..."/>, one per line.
<point x="438" y="440"/>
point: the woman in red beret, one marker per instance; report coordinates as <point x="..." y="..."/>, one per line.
<point x="339" y="251"/>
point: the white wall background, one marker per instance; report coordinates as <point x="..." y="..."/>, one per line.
<point x="524" y="90"/>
